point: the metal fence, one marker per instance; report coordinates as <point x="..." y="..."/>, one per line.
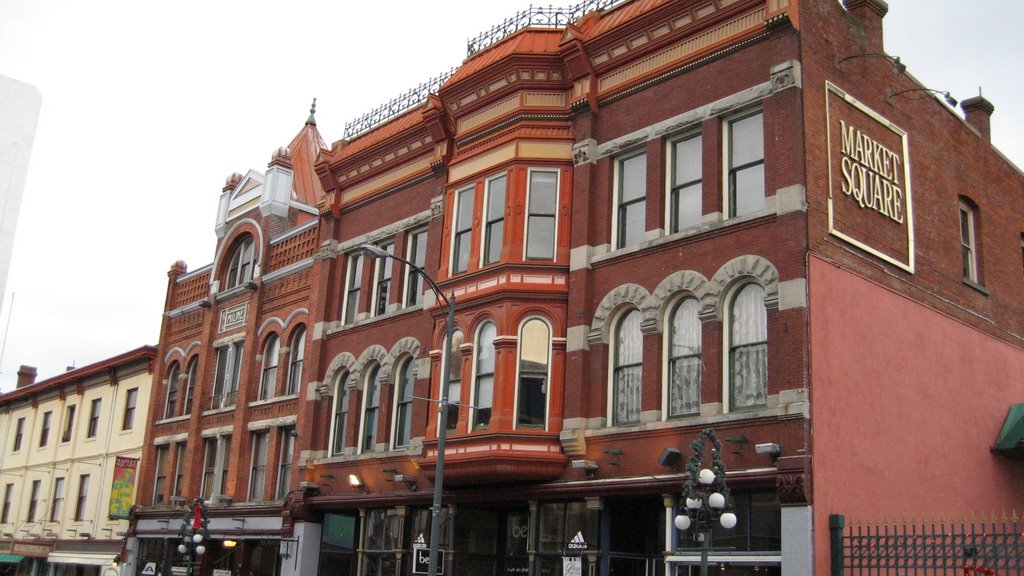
<point x="927" y="548"/>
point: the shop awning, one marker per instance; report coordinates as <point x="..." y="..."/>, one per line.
<point x="10" y="558"/>
<point x="89" y="558"/>
<point x="1011" y="437"/>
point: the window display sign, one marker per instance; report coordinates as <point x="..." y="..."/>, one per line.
<point x="869" y="203"/>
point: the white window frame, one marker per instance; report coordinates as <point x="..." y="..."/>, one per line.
<point x="727" y="208"/>
<point x="617" y="176"/>
<point x="296" y="360"/>
<point x="727" y="338"/>
<point x="383" y="271"/>
<point x="670" y="178"/>
<point x="232" y="369"/>
<point x="455" y="402"/>
<point x="547" y="377"/>
<point x="240" y="273"/>
<point x="526" y="223"/>
<point x="340" y="393"/>
<point x="668" y="331"/>
<point x="173" y="376"/>
<point x="259" y="460"/>
<point x="405" y="363"/>
<point x="350" y="291"/>
<point x="968" y="245"/>
<point x="270" y="368"/>
<point x="368" y="377"/>
<point x="456" y="231"/>
<point x="162" y="456"/>
<point x="410" y="297"/>
<point x="286" y="454"/>
<point x="474" y="400"/>
<point x="486" y="223"/>
<point x="613" y="363"/>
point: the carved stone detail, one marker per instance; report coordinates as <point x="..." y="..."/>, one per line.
<point x="625" y="294"/>
<point x="793" y="489"/>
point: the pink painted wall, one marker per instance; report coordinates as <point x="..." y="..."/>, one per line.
<point x="905" y="404"/>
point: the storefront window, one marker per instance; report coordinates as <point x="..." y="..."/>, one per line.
<point x="338" y="545"/>
<point x="383" y="537"/>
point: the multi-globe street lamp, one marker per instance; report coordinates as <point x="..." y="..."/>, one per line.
<point x="706" y="495"/>
<point x="194" y="534"/>
<point x="442" y="403"/>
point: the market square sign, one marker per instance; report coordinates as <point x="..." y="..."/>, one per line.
<point x="869" y="200"/>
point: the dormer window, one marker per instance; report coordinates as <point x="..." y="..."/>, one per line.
<point x="242" y="261"/>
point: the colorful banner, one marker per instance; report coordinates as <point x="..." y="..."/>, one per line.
<point x="122" y="490"/>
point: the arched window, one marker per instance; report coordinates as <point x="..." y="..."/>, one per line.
<point x="684" y="346"/>
<point x="241" y="267"/>
<point x="190" y="385"/>
<point x="627" y="373"/>
<point x="455" y="379"/>
<point x="173" y="375"/>
<point x="403" y="403"/>
<point x="297" y="350"/>
<point x="748" y="349"/>
<point x="371" y="409"/>
<point x="268" y="380"/>
<point x="534" y="354"/>
<point x="340" y="423"/>
<point x="483" y="386"/>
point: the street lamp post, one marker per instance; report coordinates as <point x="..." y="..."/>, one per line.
<point x="706" y="495"/>
<point x="442" y="404"/>
<point x="194" y="534"/>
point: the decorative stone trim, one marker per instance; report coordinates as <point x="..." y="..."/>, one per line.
<point x="656" y="307"/>
<point x="375" y="353"/>
<point x="623" y="295"/>
<point x="341" y="362"/>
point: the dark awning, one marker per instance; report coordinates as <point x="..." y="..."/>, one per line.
<point x="1011" y="437"/>
<point x="10" y="558"/>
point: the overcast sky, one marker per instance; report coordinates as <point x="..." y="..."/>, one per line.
<point x="149" y="106"/>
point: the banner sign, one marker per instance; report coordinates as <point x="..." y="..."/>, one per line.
<point x="122" y="490"/>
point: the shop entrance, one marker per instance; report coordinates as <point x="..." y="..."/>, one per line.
<point x="491" y="542"/>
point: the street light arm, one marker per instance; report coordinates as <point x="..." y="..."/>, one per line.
<point x="442" y="405"/>
<point x="378" y="252"/>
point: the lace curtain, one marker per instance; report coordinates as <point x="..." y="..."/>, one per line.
<point x="684" y="360"/>
<point x="748" y="350"/>
<point x="628" y="370"/>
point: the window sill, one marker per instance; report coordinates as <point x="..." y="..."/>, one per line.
<point x="341" y="326"/>
<point x="274" y="400"/>
<point x="232" y="292"/>
<point x="971" y="284"/>
<point x="173" y="419"/>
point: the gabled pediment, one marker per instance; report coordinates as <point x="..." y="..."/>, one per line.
<point x="246" y="194"/>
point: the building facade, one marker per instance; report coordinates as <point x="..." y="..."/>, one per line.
<point x="656" y="218"/>
<point x="71" y="448"/>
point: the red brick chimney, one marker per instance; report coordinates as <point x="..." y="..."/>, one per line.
<point x="978" y="113"/>
<point x="870" y="12"/>
<point x="26" y="376"/>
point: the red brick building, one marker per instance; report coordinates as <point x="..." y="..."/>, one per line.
<point x="655" y="217"/>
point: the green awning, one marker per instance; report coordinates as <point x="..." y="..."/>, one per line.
<point x="10" y="558"/>
<point x="1011" y="437"/>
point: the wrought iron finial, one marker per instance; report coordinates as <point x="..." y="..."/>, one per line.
<point x="538" y="16"/>
<point x="312" y="114"/>
<point x="396" y="106"/>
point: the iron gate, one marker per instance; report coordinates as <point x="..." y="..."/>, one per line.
<point x="964" y="547"/>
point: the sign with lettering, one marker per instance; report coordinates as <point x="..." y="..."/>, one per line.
<point x="421" y="561"/>
<point x="233" y="316"/>
<point x="869" y="203"/>
<point x="572" y="566"/>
